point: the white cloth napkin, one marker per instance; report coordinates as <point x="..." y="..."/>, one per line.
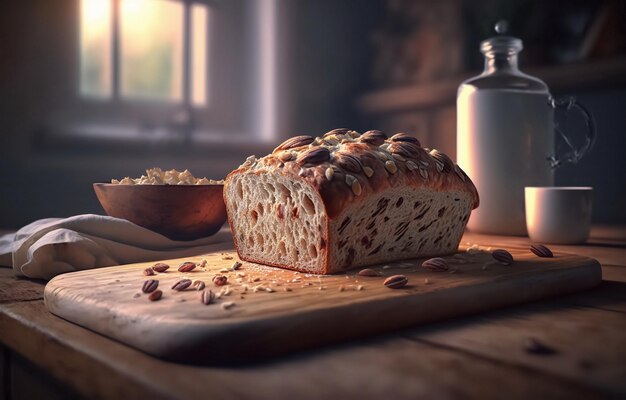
<point x="53" y="246"/>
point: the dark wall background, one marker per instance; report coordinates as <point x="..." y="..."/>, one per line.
<point x="325" y="62"/>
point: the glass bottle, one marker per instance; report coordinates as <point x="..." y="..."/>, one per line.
<point x="506" y="136"/>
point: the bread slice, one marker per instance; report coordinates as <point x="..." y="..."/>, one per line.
<point x="345" y="200"/>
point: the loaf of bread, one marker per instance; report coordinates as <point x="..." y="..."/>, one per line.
<point x="345" y="200"/>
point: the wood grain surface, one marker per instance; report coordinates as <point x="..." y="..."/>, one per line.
<point x="276" y="311"/>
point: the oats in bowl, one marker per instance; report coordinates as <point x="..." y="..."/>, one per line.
<point x="156" y="176"/>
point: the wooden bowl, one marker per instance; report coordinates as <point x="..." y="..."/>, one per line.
<point x="179" y="212"/>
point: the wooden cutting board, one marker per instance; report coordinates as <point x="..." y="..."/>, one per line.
<point x="298" y="310"/>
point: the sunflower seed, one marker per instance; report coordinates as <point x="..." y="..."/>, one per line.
<point x="382" y="156"/>
<point x="199" y="285"/>
<point x="285" y="156"/>
<point x="329" y="173"/>
<point x="350" y="179"/>
<point x="356" y="187"/>
<point x="391" y="167"/>
<point x="411" y="165"/>
<point x="398" y="157"/>
<point x="368" y="171"/>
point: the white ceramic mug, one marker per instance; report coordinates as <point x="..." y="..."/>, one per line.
<point x="560" y="215"/>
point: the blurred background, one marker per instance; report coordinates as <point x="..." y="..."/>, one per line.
<point x="97" y="89"/>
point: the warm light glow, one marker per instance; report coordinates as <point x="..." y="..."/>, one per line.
<point x="267" y="68"/>
<point x="199" y="23"/>
<point x="95" y="48"/>
<point x="151" y="47"/>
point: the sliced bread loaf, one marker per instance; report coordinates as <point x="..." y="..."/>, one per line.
<point x="344" y="200"/>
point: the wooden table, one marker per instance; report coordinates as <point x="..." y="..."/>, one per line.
<point x="483" y="356"/>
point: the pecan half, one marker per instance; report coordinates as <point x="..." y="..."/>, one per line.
<point x="294" y="142"/>
<point x="448" y="164"/>
<point x="396" y="281"/>
<point x="406" y="149"/>
<point x="436" y="264"/>
<point x="156" y="295"/>
<point x="187" y="266"/>
<point x="160" y="267"/>
<point x="315" y="155"/>
<point x="502" y="256"/>
<point x="373" y="137"/>
<point x="405" y="137"/>
<point x="368" y="272"/>
<point x="541" y="251"/>
<point x="148" y="272"/>
<point x="181" y="284"/>
<point x="347" y="162"/>
<point x="220" y="280"/>
<point x="338" y="131"/>
<point x="150" y="286"/>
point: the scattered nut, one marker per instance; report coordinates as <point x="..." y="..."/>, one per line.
<point x="148" y="272"/>
<point x="220" y="280"/>
<point x="369" y="272"/>
<point x="181" y="284"/>
<point x="502" y="256"/>
<point x="199" y="285"/>
<point x="396" y="281"/>
<point x="228" y="304"/>
<point x="207" y="297"/>
<point x="236" y="266"/>
<point x="541" y="251"/>
<point x="187" y="266"/>
<point x="436" y="264"/>
<point x="160" y="267"/>
<point x="156" y="295"/>
<point x="150" y="286"/>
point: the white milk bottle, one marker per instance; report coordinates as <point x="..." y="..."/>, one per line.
<point x="505" y="136"/>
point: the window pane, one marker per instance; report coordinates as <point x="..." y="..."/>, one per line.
<point x="199" y="17"/>
<point x="151" y="47"/>
<point x="95" y="48"/>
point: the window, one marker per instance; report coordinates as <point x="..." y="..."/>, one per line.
<point x="147" y="50"/>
